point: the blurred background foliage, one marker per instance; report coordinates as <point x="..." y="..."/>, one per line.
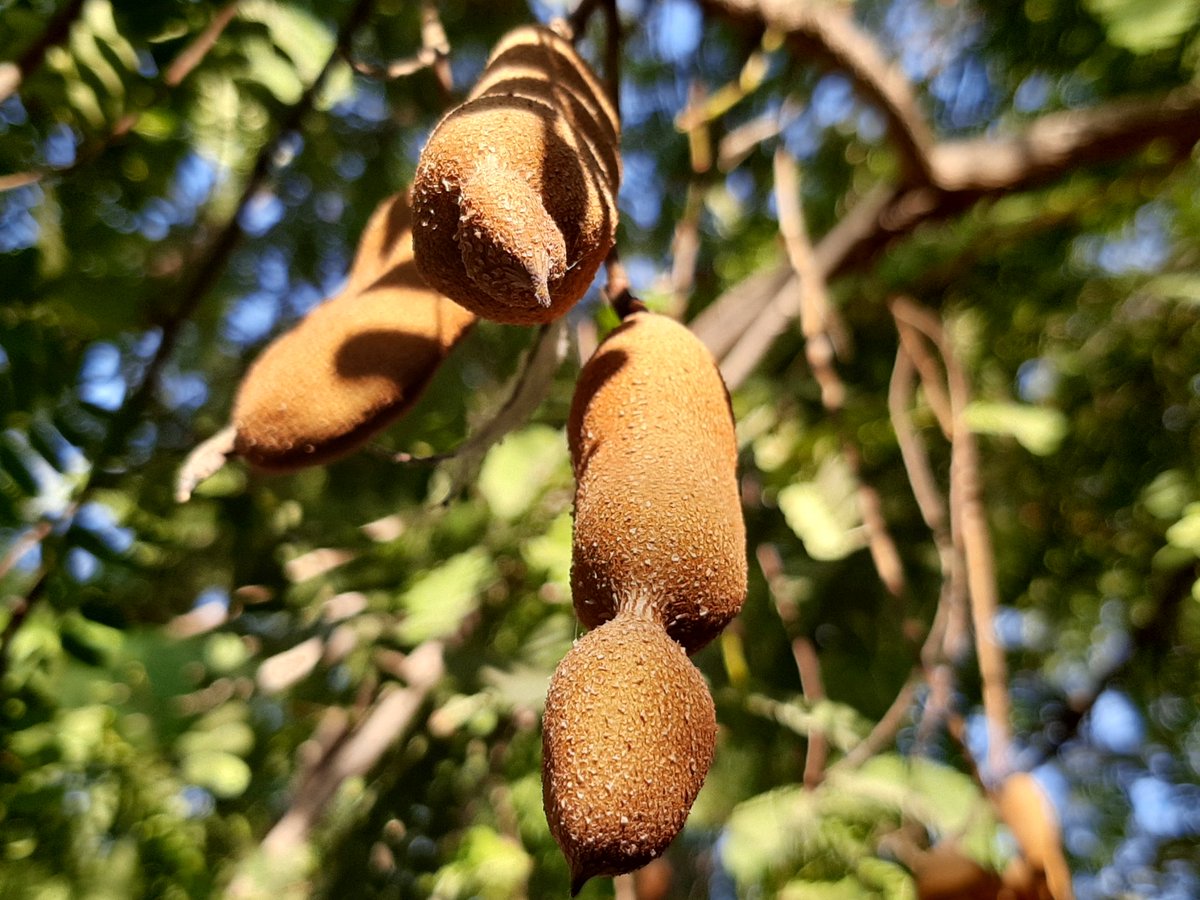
<point x="329" y="683"/>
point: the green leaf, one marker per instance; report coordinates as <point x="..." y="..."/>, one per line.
<point x="438" y="601"/>
<point x="1038" y="429"/>
<point x="516" y="471"/>
<point x="222" y="773"/>
<point x="824" y="512"/>
<point x="1185" y="534"/>
<point x="550" y="552"/>
<point x="1143" y="27"/>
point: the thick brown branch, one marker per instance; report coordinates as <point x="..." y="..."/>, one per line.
<point x="1060" y="141"/>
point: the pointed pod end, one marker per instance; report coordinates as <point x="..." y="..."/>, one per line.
<point x="578" y="880"/>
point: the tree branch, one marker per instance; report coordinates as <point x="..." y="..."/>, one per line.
<point x="826" y="34"/>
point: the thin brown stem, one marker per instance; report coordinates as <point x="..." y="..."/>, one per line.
<point x="813" y="687"/>
<point x="815" y="314"/>
<point x="886" y="728"/>
<point x="970" y="531"/>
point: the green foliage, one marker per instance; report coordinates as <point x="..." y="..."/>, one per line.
<point x="172" y="674"/>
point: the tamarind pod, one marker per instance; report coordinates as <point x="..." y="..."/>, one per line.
<point x="385" y="243"/>
<point x="1028" y="812"/>
<point x="658" y="518"/>
<point x="514" y="199"/>
<point x="628" y="736"/>
<point x="355" y="363"/>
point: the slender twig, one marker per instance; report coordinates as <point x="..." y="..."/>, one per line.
<point x="356" y="750"/>
<point x="969" y="526"/>
<point x="885" y="729"/>
<point x="815" y="312"/>
<point x="434" y="54"/>
<point x="26" y="542"/>
<point x="811" y="683"/>
<point x="577" y="22"/>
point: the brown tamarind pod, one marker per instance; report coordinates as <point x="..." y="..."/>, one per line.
<point x="658" y="517"/>
<point x="514" y="201"/>
<point x="628" y="736"/>
<point x="355" y="363"/>
<point x="1028" y="812"/>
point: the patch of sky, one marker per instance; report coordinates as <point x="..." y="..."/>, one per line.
<point x="18" y="228"/>
<point x="212" y="594"/>
<point x="642" y="273"/>
<point x="965" y="91"/>
<point x="184" y="391"/>
<point x="262" y="213"/>
<point x="740" y="184"/>
<point x="364" y="107"/>
<point x="911" y="30"/>
<point x="145" y="344"/>
<point x="272" y="270"/>
<point x="802" y="136"/>
<point x="1032" y="93"/>
<point x="195" y="178"/>
<point x="466" y="64"/>
<point x="349" y="165"/>
<point x="412" y="141"/>
<point x="58" y="149"/>
<point x="676" y="27"/>
<point x="832" y="101"/>
<point x="101" y="382"/>
<point x="1020" y="629"/>
<point x="639" y="104"/>
<point x="12" y="112"/>
<point x="1037" y="380"/>
<point x="295" y="188"/>
<point x="1164" y="810"/>
<point x="303" y="297"/>
<point x="329" y="206"/>
<point x="251" y="318"/>
<point x="155" y="219"/>
<point x="641" y="194"/>
<point x="98" y="519"/>
<point x="871" y="125"/>
<point x="1114" y="723"/>
<point x="146" y="66"/>
<point x="197" y="802"/>
<point x="82" y="566"/>
<point x="1142" y="246"/>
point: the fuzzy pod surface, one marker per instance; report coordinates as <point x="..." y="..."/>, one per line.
<point x="355" y="363"/>
<point x="515" y="192"/>
<point x="628" y="736"/>
<point x="658" y="516"/>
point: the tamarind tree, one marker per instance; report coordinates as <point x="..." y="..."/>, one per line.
<point x="945" y="254"/>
